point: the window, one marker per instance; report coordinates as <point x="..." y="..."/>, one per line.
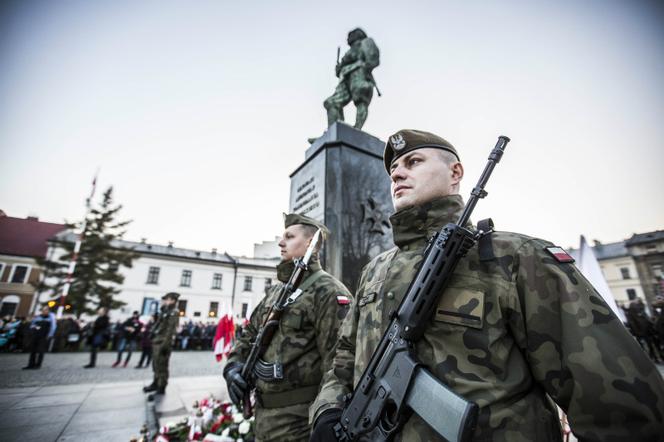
<point x="182" y="307"/>
<point x="268" y="283"/>
<point x="247" y="283"/>
<point x="214" y="307"/>
<point x="9" y="305"/>
<point x="19" y="274"/>
<point x="185" y="280"/>
<point x="153" y="275"/>
<point x="624" y="271"/>
<point x="216" y="281"/>
<point x="150" y="307"/>
<point x="657" y="270"/>
<point x="631" y="294"/>
<point x="197" y="314"/>
<point x="245" y="307"/>
<point x="2" y="269"/>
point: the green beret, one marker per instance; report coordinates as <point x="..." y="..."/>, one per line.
<point x="407" y="140"/>
<point x="296" y="218"/>
<point x="172" y="295"/>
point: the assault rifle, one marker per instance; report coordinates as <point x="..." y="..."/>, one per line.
<point x="395" y="382"/>
<point x="289" y="292"/>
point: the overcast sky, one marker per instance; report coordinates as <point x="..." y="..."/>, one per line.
<point x="197" y="112"/>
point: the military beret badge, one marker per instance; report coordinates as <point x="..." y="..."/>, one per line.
<point x="398" y="143"/>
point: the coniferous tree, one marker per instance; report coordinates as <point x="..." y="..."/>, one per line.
<point x="96" y="276"/>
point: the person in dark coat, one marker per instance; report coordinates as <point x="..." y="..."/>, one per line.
<point x="131" y="328"/>
<point x="42" y="329"/>
<point x="146" y="343"/>
<point x="99" y="336"/>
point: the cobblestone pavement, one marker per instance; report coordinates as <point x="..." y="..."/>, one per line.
<point x="67" y="368"/>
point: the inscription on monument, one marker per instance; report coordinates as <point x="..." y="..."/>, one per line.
<point x="307" y="194"/>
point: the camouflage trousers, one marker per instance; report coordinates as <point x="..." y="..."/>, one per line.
<point x="285" y="424"/>
<point x="161" y="355"/>
<point x="357" y="89"/>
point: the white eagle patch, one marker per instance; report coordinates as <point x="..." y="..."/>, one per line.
<point x="398" y="143"/>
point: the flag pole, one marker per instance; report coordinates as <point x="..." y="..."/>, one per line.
<point x="77" y="249"/>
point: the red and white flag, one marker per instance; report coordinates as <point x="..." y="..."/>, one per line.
<point x="223" y="338"/>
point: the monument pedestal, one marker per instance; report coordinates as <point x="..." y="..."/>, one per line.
<point x="342" y="182"/>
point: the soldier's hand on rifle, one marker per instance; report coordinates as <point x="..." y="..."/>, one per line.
<point x="337" y="69"/>
<point x="323" y="430"/>
<point x="236" y="384"/>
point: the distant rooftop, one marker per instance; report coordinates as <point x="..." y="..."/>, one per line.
<point x="611" y="250"/>
<point x="641" y="238"/>
<point x="619" y="249"/>
<point x="26" y="236"/>
<point x="146" y="248"/>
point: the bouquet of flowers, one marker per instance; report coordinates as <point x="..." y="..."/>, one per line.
<point x="211" y="421"/>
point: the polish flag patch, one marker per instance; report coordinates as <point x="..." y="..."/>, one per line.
<point x="560" y="254"/>
<point x="343" y="300"/>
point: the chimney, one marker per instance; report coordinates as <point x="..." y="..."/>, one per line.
<point x="214" y="251"/>
<point x="32" y="218"/>
<point x="144" y="240"/>
<point x="597" y="242"/>
<point x="170" y="244"/>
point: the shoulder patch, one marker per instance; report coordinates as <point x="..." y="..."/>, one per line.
<point x="560" y="254"/>
<point x="343" y="300"/>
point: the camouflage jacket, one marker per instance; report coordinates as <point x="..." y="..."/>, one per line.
<point x="304" y="342"/>
<point x="165" y="328"/>
<point x="509" y="334"/>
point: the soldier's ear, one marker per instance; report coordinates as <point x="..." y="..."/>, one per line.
<point x="457" y="172"/>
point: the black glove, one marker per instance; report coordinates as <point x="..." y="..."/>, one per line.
<point x="324" y="426"/>
<point x="235" y="383"/>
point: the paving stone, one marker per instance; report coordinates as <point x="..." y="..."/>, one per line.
<point x="134" y="400"/>
<point x="121" y="434"/>
<point x="40" y="415"/>
<point x="42" y="433"/>
<point x="50" y="400"/>
<point x="9" y="400"/>
<point x="67" y="369"/>
<point x="98" y="421"/>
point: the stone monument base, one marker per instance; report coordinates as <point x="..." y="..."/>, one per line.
<point x="342" y="182"/>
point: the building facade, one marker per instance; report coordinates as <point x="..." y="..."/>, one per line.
<point x="22" y="245"/>
<point x="633" y="268"/>
<point x="619" y="269"/>
<point x="210" y="284"/>
<point x="647" y="249"/>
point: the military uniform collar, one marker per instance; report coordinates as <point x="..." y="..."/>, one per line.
<point x="412" y="227"/>
<point x="285" y="269"/>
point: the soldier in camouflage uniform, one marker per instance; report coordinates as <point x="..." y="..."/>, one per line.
<point x="356" y="80"/>
<point x="162" y="341"/>
<point x="302" y="347"/>
<point x="517" y="329"/>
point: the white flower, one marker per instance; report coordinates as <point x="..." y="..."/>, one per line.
<point x="244" y="427"/>
<point x="237" y="418"/>
<point x="226" y="432"/>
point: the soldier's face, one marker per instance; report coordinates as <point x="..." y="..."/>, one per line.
<point x="421" y="176"/>
<point x="294" y="243"/>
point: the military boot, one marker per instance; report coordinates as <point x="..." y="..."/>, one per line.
<point x="151" y="387"/>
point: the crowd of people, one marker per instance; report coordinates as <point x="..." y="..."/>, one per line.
<point x="42" y="333"/>
<point x="647" y="330"/>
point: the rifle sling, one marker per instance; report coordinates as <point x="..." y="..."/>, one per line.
<point x="311" y="279"/>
